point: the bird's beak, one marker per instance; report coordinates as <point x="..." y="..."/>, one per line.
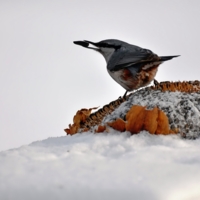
<point x="87" y="44"/>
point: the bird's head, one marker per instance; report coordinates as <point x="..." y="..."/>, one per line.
<point x="105" y="47"/>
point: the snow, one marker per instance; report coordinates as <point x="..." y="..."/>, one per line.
<point x="112" y="165"/>
<point x="103" y="166"/>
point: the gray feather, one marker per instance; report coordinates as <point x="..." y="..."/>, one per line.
<point x="130" y="56"/>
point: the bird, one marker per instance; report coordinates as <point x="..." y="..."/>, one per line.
<point x="129" y="65"/>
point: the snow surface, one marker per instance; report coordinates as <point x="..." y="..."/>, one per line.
<point x="103" y="166"/>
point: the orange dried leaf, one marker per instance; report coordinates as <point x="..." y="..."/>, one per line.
<point x="80" y="117"/>
<point x="135" y="118"/>
<point x="135" y="110"/>
<point x="67" y="130"/>
<point x="87" y="112"/>
<point x="150" y="120"/>
<point x="163" y="123"/>
<point x="72" y="129"/>
<point x="119" y="124"/>
<point x="100" y="129"/>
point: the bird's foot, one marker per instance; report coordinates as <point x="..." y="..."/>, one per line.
<point x="155" y="82"/>
<point x="124" y="97"/>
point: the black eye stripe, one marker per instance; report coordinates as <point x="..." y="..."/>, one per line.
<point x="108" y="45"/>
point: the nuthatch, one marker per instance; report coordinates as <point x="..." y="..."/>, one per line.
<point x="129" y="65"/>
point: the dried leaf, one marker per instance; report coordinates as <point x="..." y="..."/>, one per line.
<point x="135" y="118"/>
<point x="79" y="118"/>
<point x="150" y="120"/>
<point x="119" y="124"/>
<point x="100" y="129"/>
<point x="163" y="124"/>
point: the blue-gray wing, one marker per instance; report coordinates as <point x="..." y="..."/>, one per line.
<point x="133" y="57"/>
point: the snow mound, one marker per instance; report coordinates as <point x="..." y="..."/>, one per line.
<point x="182" y="109"/>
<point x="103" y="166"/>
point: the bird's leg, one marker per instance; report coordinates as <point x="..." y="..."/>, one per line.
<point x="155" y="82"/>
<point x="125" y="94"/>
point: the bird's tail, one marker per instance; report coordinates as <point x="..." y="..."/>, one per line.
<point x="165" y="58"/>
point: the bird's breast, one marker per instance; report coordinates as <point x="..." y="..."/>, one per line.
<point x="130" y="81"/>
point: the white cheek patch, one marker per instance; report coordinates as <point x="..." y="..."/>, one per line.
<point x="107" y="52"/>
